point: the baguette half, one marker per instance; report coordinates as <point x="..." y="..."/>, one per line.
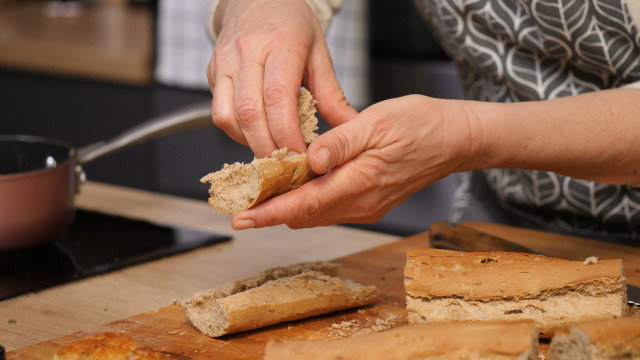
<point x="109" y="346"/>
<point x="598" y="340"/>
<point x="505" y="340"/>
<point x="459" y="286"/>
<point x="274" y="296"/>
<point x="239" y="186"/>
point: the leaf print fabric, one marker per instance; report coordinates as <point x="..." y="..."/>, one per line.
<point x="523" y="50"/>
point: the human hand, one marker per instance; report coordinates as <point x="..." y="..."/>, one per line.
<point x="373" y="162"/>
<point x="265" y="50"/>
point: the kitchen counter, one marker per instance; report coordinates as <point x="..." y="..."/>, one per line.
<point x="84" y="304"/>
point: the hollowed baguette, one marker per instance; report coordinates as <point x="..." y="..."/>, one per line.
<point x="598" y="340"/>
<point x="451" y="285"/>
<point x="274" y="296"/>
<point x="241" y="186"/>
<point x="504" y="340"/>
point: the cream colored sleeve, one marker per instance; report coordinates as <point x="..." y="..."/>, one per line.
<point x="633" y="85"/>
<point x="324" y="10"/>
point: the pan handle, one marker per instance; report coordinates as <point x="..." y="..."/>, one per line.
<point x="192" y="117"/>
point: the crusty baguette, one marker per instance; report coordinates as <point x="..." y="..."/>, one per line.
<point x="452" y="285"/>
<point x="109" y="346"/>
<point x="275" y="295"/>
<point x="430" y="341"/>
<point x="598" y="340"/>
<point x="240" y="186"/>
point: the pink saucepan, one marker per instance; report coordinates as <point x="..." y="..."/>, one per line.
<point x="40" y="177"/>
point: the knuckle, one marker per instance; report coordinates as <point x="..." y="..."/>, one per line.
<point x="310" y="208"/>
<point x="210" y="80"/>
<point x="221" y="120"/>
<point x="275" y="94"/>
<point x="342" y="143"/>
<point x="295" y="226"/>
<point x="219" y="55"/>
<point x="248" y="111"/>
<point x="245" y="45"/>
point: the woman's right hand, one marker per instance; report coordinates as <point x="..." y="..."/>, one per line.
<point x="265" y="50"/>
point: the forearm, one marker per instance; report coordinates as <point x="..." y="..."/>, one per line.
<point x="593" y="136"/>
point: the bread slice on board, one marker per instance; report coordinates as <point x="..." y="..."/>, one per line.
<point x="430" y="341"/>
<point x="109" y="346"/>
<point x="273" y="296"/>
<point x="240" y="186"/>
<point x="598" y="340"/>
<point x="449" y="285"/>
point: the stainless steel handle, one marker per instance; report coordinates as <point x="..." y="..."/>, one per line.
<point x="192" y="117"/>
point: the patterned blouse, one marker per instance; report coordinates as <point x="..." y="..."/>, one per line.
<point x="521" y="50"/>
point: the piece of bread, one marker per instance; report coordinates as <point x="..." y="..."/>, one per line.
<point x="274" y="296"/>
<point x="240" y="186"/>
<point x="598" y="340"/>
<point x="430" y="341"/>
<point x="109" y="346"/>
<point x="452" y="285"/>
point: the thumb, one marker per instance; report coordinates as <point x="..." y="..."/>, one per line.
<point x="339" y="145"/>
<point x="321" y="80"/>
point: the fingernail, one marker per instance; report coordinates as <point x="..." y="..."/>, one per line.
<point x="323" y="157"/>
<point x="292" y="153"/>
<point x="244" y="224"/>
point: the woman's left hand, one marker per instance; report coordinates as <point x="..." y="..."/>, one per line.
<point x="373" y="162"/>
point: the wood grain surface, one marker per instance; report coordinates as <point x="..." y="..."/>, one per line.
<point x="168" y="329"/>
<point x="91" y="302"/>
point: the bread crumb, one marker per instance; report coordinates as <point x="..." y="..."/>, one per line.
<point x="384" y="324"/>
<point x="591" y="260"/>
<point x="361" y="311"/>
<point x="175" y="302"/>
<point x="344" y="324"/>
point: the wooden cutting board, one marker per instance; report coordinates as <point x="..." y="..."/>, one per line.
<point x="168" y="329"/>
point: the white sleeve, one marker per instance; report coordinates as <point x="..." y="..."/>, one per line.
<point x="633" y="85"/>
<point x="324" y="10"/>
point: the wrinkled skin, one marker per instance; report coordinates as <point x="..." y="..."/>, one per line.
<point x="265" y="51"/>
<point x="376" y="160"/>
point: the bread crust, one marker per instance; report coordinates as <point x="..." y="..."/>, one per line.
<point x="282" y="175"/>
<point x="290" y="293"/>
<point x="602" y="339"/>
<point x="270" y="177"/>
<point x="240" y="186"/>
<point x="110" y="346"/>
<point x="439" y="340"/>
<point x="445" y="285"/>
<point x="431" y="273"/>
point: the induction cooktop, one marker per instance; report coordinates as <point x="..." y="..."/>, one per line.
<point x="95" y="243"/>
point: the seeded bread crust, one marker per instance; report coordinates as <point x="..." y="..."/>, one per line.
<point x="274" y="296"/>
<point x="505" y="340"/>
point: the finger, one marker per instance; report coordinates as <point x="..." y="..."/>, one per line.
<point x="282" y="79"/>
<point x="340" y="144"/>
<point x="222" y="109"/>
<point x="211" y="73"/>
<point x="332" y="104"/>
<point x="306" y="204"/>
<point x="250" y="109"/>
